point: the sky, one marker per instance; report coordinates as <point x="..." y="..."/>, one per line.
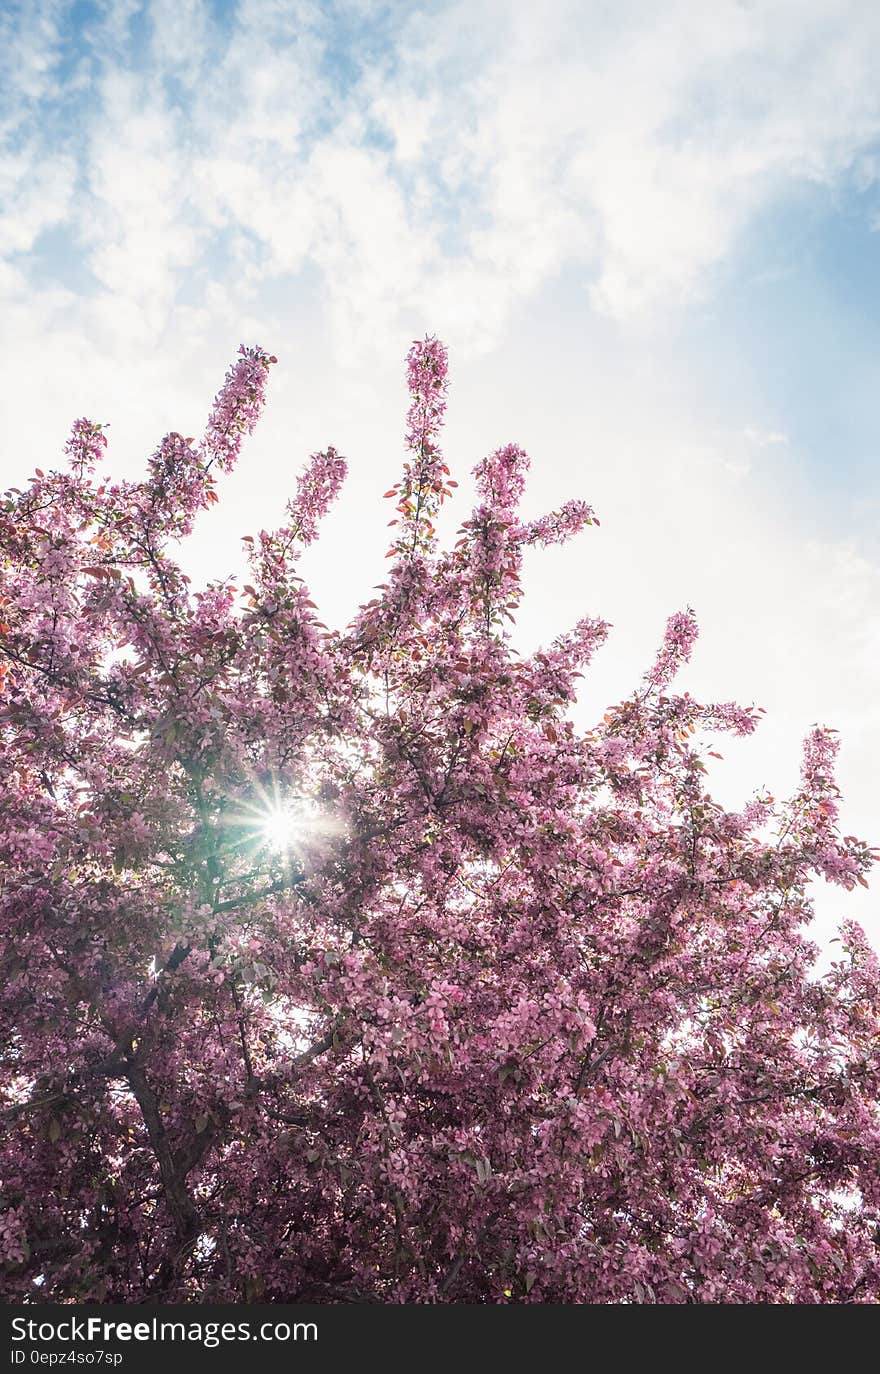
<point x="649" y="235"/>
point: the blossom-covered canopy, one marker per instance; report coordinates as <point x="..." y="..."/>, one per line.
<point x="340" y="966"/>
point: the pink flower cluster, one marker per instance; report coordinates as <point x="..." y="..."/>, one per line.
<point x="678" y="642"/>
<point x="316" y="490"/>
<point x="559" y="526"/>
<point x="86" y="445"/>
<point x="501" y="478"/>
<point x="237" y="407"/>
<point x="427" y="366"/>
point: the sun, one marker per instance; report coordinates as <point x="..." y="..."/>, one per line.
<point x="282" y="826"/>
<point x="283" y="822"/>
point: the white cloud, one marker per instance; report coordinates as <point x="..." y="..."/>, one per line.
<point x="35" y="195"/>
<point x="476" y="152"/>
<point x="764" y="438"/>
<point x="181" y="32"/>
<point x="29" y="50"/>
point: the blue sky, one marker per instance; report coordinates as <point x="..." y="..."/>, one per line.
<point x="796" y="309"/>
<point x="649" y="235"/>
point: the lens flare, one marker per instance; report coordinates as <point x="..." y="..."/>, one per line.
<point x="282" y="827"/>
<point x="286" y="824"/>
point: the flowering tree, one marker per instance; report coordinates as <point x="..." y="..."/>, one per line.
<point x="342" y="967"/>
